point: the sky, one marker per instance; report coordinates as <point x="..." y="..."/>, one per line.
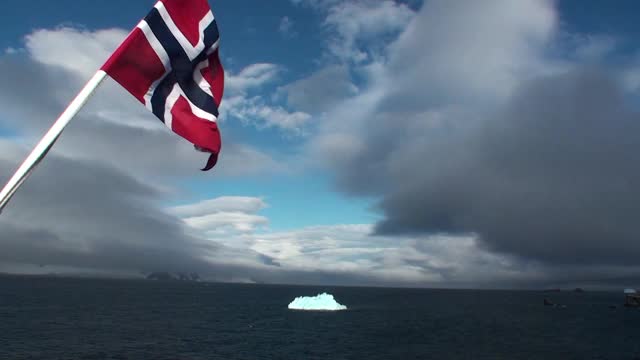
<point x="435" y="143"/>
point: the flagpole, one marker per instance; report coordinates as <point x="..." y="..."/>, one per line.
<point x="42" y="148"/>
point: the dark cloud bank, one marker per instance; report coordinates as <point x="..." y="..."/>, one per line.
<point x="550" y="177"/>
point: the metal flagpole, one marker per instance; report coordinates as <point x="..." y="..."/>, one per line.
<point x="40" y="151"/>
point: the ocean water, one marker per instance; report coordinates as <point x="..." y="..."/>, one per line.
<point x="107" y="319"/>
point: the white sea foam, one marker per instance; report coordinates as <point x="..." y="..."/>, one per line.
<point x="322" y="302"/>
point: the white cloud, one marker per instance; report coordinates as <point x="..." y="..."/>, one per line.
<point x="360" y="29"/>
<point x="255" y="111"/>
<point x="451" y="53"/>
<point x="286" y="26"/>
<point x="224" y="217"/>
<point x="349" y="249"/>
<point x="221" y="204"/>
<point x="10" y="151"/>
<point x="450" y="64"/>
<point x="457" y="51"/>
<point x="631" y="79"/>
<point x="630" y="75"/>
<point x="218" y="221"/>
<point x="245" y="160"/>
<point x="251" y="77"/>
<point x="593" y="47"/>
<point x="356" y="21"/>
<point x="318" y="92"/>
<point x="344" y="250"/>
<point x="88" y="49"/>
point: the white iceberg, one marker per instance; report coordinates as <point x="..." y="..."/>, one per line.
<point x="322" y="302"/>
<point x="629" y="291"/>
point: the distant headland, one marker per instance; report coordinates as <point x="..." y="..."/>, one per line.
<point x="167" y="276"/>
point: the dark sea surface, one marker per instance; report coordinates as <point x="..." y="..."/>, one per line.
<point x="108" y="319"/>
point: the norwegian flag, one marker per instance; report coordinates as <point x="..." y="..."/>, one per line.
<point x="170" y="63"/>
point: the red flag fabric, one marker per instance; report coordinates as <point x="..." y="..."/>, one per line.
<point x="170" y="62"/>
